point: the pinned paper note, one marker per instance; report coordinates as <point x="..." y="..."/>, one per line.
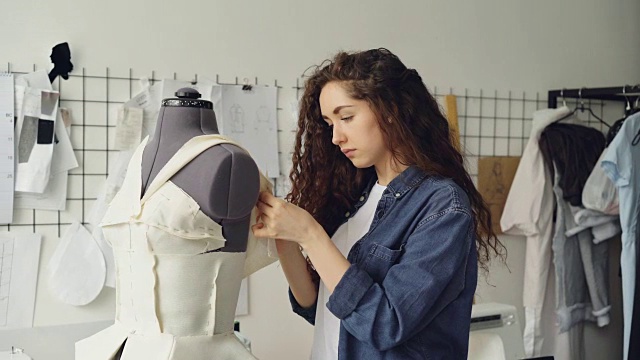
<point x="128" y="128"/>
<point x="149" y="101"/>
<point x="249" y="118"/>
<point x="495" y="175"/>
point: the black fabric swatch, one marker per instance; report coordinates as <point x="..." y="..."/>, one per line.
<point x="45" y="131"/>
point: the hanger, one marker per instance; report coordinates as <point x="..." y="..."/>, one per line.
<point x="628" y="111"/>
<point x="582" y="108"/>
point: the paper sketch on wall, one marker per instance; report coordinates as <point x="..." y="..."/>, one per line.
<point x="263" y="119"/>
<point x="495" y="175"/>
<point x="236" y="119"/>
<point x="283" y="183"/>
<point x="249" y="118"/>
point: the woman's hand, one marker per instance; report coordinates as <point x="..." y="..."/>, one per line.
<point x="282" y="221"/>
<point x="279" y="219"/>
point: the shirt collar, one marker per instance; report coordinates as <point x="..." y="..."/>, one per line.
<point x="405" y="181"/>
<point x="400" y="185"/>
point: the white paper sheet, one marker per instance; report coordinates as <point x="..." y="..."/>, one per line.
<point x="283" y="186"/>
<point x="249" y="118"/>
<point x="128" y="128"/>
<point x="54" y="196"/>
<point x="19" y="257"/>
<point x="149" y="101"/>
<point x="242" y="308"/>
<point x="7" y="145"/>
<point x="76" y="268"/>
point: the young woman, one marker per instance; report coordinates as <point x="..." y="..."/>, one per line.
<point x="384" y="210"/>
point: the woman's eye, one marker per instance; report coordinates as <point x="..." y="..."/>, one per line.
<point x="346" y="118"/>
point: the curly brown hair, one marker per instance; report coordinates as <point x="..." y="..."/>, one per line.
<point x="326" y="184"/>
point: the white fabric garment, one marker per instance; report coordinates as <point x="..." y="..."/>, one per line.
<point x="528" y="211"/>
<point x="327" y="326"/>
<point x="175" y="295"/>
<point x="599" y="192"/>
<point x="76" y="269"/>
<point x="621" y="164"/>
<point x="112" y="185"/>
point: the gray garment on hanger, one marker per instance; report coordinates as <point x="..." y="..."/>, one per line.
<point x="582" y="267"/>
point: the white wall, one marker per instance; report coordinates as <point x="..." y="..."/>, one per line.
<point x="516" y="45"/>
<point x="530" y="46"/>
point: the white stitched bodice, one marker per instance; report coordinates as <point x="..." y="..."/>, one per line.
<point x="175" y="295"/>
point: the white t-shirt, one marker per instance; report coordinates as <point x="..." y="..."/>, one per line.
<point x="327" y="328"/>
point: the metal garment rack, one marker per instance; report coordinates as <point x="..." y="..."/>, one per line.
<point x="625" y="93"/>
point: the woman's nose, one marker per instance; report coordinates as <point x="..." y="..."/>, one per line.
<point x="338" y="136"/>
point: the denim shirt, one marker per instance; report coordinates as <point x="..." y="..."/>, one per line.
<point x="409" y="289"/>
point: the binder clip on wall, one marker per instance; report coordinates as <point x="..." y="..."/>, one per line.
<point x="246" y="86"/>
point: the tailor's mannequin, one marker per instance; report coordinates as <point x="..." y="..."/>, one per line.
<point x="224" y="180"/>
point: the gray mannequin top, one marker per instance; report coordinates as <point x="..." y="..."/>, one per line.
<point x="224" y="180"/>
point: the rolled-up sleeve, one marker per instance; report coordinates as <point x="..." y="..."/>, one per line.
<point x="429" y="274"/>
<point x="308" y="314"/>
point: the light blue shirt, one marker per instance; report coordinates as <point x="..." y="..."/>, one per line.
<point x="622" y="165"/>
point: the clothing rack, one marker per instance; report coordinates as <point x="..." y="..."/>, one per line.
<point x="625" y="93"/>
